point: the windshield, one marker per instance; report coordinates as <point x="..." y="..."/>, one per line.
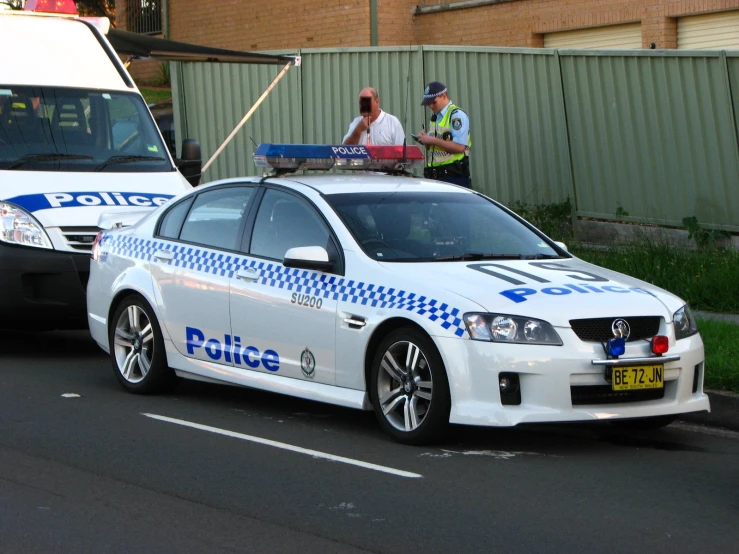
<point x="65" y="129"/>
<point x="432" y="226"/>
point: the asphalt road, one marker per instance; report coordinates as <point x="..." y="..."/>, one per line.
<point x="86" y="467"/>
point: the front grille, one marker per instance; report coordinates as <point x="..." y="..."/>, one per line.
<point x="603" y="394"/>
<point x="80" y="238"/>
<point x="599" y="329"/>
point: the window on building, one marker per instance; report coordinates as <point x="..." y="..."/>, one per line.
<point x="145" y="16"/>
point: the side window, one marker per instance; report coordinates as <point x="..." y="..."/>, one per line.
<point x="172" y="221"/>
<point x="285" y="222"/>
<point x="216" y="216"/>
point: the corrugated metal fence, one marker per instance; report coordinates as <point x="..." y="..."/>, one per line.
<point x="648" y="133"/>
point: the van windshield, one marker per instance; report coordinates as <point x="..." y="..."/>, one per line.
<point x="67" y="129"/>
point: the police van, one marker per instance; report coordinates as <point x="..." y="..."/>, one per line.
<point x="76" y="140"/>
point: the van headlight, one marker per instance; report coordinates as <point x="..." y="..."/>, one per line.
<point x="684" y="322"/>
<point x="19" y="227"/>
<point x="510" y="328"/>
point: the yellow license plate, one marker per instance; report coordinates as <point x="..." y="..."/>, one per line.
<point x="638" y="377"/>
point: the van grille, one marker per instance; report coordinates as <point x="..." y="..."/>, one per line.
<point x="80" y="238"/>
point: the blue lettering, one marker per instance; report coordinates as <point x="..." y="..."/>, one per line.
<point x="577" y="289"/>
<point x="194" y="339"/>
<point x="556" y="291"/>
<point x="230" y="349"/>
<point x="227" y="349"/>
<point x="213" y="349"/>
<point x="611" y="288"/>
<point x="517" y="295"/>
<point x="271" y="360"/>
<point x="246" y="354"/>
<point x="237" y="350"/>
<point x="594" y="289"/>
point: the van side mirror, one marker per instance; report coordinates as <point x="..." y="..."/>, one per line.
<point x="190" y="163"/>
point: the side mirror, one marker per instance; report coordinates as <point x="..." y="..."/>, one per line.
<point x="190" y="164"/>
<point x="308" y="257"/>
<point x="562" y="245"/>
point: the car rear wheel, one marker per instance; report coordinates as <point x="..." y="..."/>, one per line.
<point x="409" y="388"/>
<point x="137" y="348"/>
<point x="644" y="423"/>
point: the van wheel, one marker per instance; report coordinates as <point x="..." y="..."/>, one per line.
<point x="409" y="388"/>
<point x="137" y="348"/>
<point x="644" y="423"/>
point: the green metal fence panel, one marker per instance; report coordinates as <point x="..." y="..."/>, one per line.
<point x="332" y="80"/>
<point x="215" y="97"/>
<point x="651" y="134"/>
<point x="519" y="135"/>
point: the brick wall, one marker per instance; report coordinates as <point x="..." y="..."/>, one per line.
<point x="270" y="24"/>
<point x="255" y="25"/>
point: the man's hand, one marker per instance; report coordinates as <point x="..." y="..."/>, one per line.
<point x="363" y="125"/>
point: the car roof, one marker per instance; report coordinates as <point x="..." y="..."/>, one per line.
<point x="363" y="182"/>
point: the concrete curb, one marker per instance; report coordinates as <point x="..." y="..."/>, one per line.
<point x="724" y="411"/>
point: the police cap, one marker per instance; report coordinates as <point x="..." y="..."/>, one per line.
<point x="432" y="90"/>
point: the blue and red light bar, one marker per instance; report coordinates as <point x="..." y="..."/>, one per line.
<point x="293" y="157"/>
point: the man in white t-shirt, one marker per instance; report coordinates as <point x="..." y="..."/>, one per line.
<point x="374" y="126"/>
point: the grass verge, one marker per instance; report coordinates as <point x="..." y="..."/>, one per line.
<point x="152" y="95"/>
<point x="705" y="278"/>
<point x="721" y="342"/>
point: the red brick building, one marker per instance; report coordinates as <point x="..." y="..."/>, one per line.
<point x="255" y="25"/>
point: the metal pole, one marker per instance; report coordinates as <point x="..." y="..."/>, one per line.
<point x="248" y="115"/>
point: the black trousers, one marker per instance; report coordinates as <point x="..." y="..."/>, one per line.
<point x="454" y="174"/>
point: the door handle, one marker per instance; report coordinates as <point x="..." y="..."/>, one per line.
<point x="164" y="256"/>
<point x="247" y="274"/>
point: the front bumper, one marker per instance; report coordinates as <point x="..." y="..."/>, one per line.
<point x="561" y="384"/>
<point x="42" y="289"/>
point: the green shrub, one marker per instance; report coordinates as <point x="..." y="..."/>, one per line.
<point x="555" y="220"/>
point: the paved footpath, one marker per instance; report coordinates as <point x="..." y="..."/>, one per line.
<point x="724" y="405"/>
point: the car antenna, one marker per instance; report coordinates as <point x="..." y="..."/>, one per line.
<point x="254" y="142"/>
<point x="405" y="115"/>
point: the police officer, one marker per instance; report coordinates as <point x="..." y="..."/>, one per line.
<point x="448" y="138"/>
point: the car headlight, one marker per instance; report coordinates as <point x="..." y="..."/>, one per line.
<point x="684" y="322"/>
<point x="510" y="328"/>
<point x="19" y="227"/>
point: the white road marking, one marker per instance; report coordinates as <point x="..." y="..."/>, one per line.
<point x="70" y="395"/>
<point x="284" y="446"/>
<point x="497" y="454"/>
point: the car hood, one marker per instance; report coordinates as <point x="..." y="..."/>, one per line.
<point x="554" y="290"/>
<point x="77" y="199"/>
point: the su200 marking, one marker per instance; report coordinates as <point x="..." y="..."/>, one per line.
<point x="518" y="295"/>
<point x="307" y="300"/>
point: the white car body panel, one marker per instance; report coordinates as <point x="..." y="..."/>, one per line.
<point x="433" y="296"/>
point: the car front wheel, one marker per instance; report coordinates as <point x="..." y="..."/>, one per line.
<point x="137" y="348"/>
<point x="409" y="388"/>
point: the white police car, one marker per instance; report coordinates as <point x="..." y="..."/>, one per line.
<point x="426" y="302"/>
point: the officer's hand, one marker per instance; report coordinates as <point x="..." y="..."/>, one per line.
<point x="424" y="138"/>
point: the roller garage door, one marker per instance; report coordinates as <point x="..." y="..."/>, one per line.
<point x="715" y="31"/>
<point x="619" y="37"/>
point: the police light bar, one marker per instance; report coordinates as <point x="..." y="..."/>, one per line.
<point x="64" y="7"/>
<point x="292" y="157"/>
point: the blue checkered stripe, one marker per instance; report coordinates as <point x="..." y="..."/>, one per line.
<point x="293" y="279"/>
